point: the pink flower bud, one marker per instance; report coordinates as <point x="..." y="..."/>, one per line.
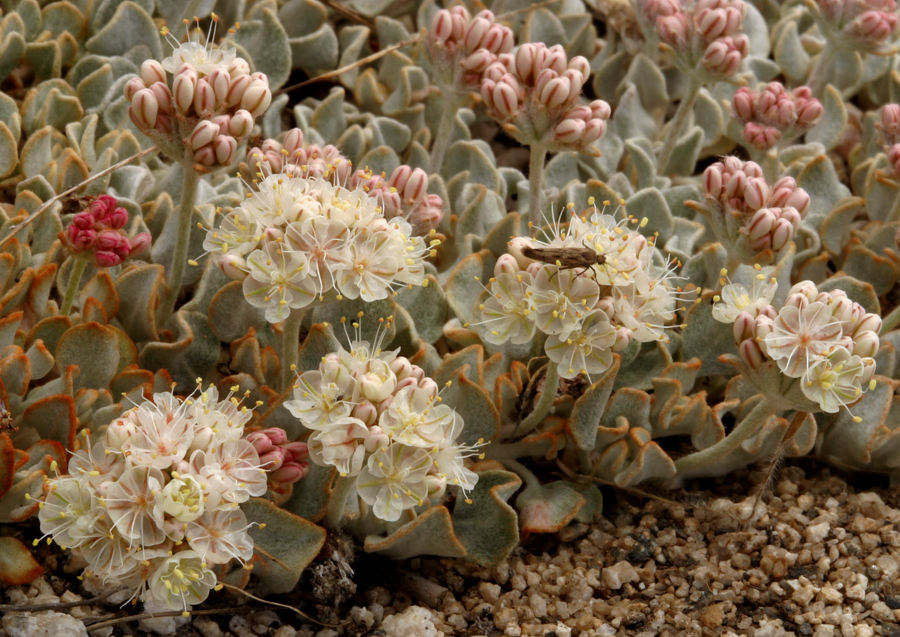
<point x="478" y="61"/>
<point x="203" y="134"/>
<point x="556" y="92"/>
<point x="86" y="220"/>
<point x="234" y="267"/>
<point x="409" y="381"/>
<point x="781" y="235"/>
<point x="742" y="104"/>
<point x="225" y="147"/>
<point x="712" y="23"/>
<point x="183" y="87"/>
<point x="712" y="180"/>
<point x="580" y="64"/>
<point x="116" y="219"/>
<point x="205" y="156"/>
<point x="674" y="30"/>
<point x="865" y="344"/>
<point x="893" y="156"/>
<point x="494" y="38"/>
<point x="744" y="326"/>
<point x="145" y="108"/>
<point x="220" y="81"/>
<point x="569" y="131"/>
<point x="80" y="239"/>
<point x="401" y="367"/>
<point x="505" y="101"/>
<point x="238" y="67"/>
<point x="152" y="72"/>
<point x="792" y="216"/>
<point x="761" y="224"/>
<point x="293" y="141"/>
<point x="257" y="98"/>
<point x="106" y="259"/>
<point x="874" y="26"/>
<point x="138" y="243"/>
<point x="868" y="323"/>
<point x="475" y="33"/>
<point x="458" y="26"/>
<point x="487" y="93"/>
<point x="506" y="264"/>
<point x="576" y="83"/>
<point x="525" y="62"/>
<point x="260" y="441"/>
<point x="556" y="59"/>
<point x="809" y="114"/>
<point x="429" y="387"/>
<point x="799" y="199"/>
<point x="750" y="353"/>
<point x="756" y="192"/>
<point x="735" y="185"/>
<point x="623" y="339"/>
<point x="133" y="86"/>
<point x="204" y="97"/>
<point x="416" y="185"/>
<point x="376" y="439"/>
<point x="761" y="137"/>
<point x="441" y="26"/>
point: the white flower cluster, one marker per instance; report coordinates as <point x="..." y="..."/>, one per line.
<point x="587" y="312"/>
<point x="376" y="417"/>
<point x="823" y="338"/>
<point x="295" y="239"/>
<point x="156" y="504"/>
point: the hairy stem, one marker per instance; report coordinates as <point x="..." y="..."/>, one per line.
<point x="72" y="288"/>
<point x="695" y="463"/>
<point x="676" y="126"/>
<point x="180" y="256"/>
<point x="442" y="139"/>
<point x="544" y="403"/>
<point x="816" y="81"/>
<point x="523" y="472"/>
<point x="341" y="490"/>
<point x="536" y="183"/>
<point x="771" y="166"/>
<point x="290" y="343"/>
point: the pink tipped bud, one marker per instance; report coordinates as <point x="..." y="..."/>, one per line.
<point x="580" y="64"/>
<point x="487" y="93"/>
<point x="85" y="220"/>
<point x="809" y="114"/>
<point x="869" y="323"/>
<point x="494" y="38"/>
<point x="163" y="98"/>
<point x="712" y="23"/>
<point x="145" y="107"/>
<point x="674" y="30"/>
<point x="792" y="216"/>
<point x="761" y="224"/>
<point x="377" y="439"/>
<point x="152" y="72"/>
<point x="761" y="137"/>
<point x="576" y="83"/>
<point x="205" y="156"/>
<point x="756" y="192"/>
<point x="569" y="131"/>
<point x="782" y="233"/>
<point x="183" y="87"/>
<point x="556" y="59"/>
<point x="735" y="185"/>
<point x="600" y="109"/>
<point x="257" y="98"/>
<point x="742" y="104"/>
<point x="712" y="180"/>
<point x="241" y="124"/>
<point x="525" y="62"/>
<point x="475" y="33"/>
<point x="204" y="97"/>
<point x="203" y="134"/>
<point x="799" y="199"/>
<point x="138" y="243"/>
<point x="556" y="92"/>
<point x="874" y="26"/>
<point x="80" y="239"/>
<point x="505" y="101"/>
<point x="441" y="26"/>
<point x="220" y="81"/>
<point x="107" y="259"/>
<point x="293" y="141"/>
<point x="429" y="387"/>
<point x="743" y="327"/>
<point x="865" y="344"/>
<point x="750" y="353"/>
<point x="234" y="267"/>
<point x="133" y="86"/>
<point x="506" y="264"/>
<point x="416" y="185"/>
<point x="116" y="219"/>
<point x="224" y="147"/>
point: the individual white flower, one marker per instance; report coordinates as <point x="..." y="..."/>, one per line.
<point x="204" y="58"/>
<point x="644" y="314"/>
<point x="239" y="233"/>
<point x="373" y="261"/>
<point x="449" y="462"/>
<point x="414" y="418"/>
<point x="585" y="350"/>
<point x="280" y="200"/>
<point x="131" y="503"/>
<point x="235" y="464"/>
<point x="836" y="381"/>
<point x="161" y="436"/>
<point x="225" y="418"/>
<point x="182" y="498"/>
<point x="736" y="298"/>
<point x="323" y="241"/>
<point x="340" y="444"/>
<point x="279" y="281"/>
<point x="181" y="580"/>
<point x="96" y="465"/>
<point x="66" y="513"/>
<point x="508" y="313"/>
<point x="220" y="536"/>
<point x="561" y="299"/>
<point x="625" y="250"/>
<point x="800" y="337"/>
<point x="323" y="395"/>
<point x="108" y="552"/>
<point x="394" y="480"/>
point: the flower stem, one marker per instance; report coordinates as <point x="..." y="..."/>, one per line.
<point x="817" y="76"/>
<point x="290" y="342"/>
<point x="72" y="287"/>
<point x="704" y="462"/>
<point x="890" y="321"/>
<point x="442" y="139"/>
<point x="536" y="183"/>
<point x="771" y="166"/>
<point x="894" y="214"/>
<point x="341" y="490"/>
<point x="544" y="403"/>
<point x="676" y="126"/>
<point x="180" y="256"/>
<point x="523" y="472"/>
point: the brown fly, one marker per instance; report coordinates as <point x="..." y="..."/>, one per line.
<point x="566" y="258"/>
<point x="6" y="418"/>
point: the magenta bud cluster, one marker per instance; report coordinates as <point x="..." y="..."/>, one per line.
<point x="403" y="194"/>
<point x="215" y="107"/>
<point x="708" y="36"/>
<point x="287" y="462"/>
<point x="296" y="159"/>
<point x="538" y="88"/>
<point x="456" y="40"/>
<point x="774" y="113"/>
<point x="99" y="230"/>
<point x="768" y="216"/>
<point x="867" y="25"/>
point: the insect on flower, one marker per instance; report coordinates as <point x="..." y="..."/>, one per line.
<point x="566" y="258"/>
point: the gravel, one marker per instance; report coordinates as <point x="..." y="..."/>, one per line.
<point x="821" y="560"/>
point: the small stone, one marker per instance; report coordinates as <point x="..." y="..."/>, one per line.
<point x="562" y="630"/>
<point x="286" y="631"/>
<point x="415" y="621"/>
<point x="804" y="630"/>
<point x="46" y="624"/>
<point x="504" y="617"/>
<point x="817" y="533"/>
<point x="207" y="627"/>
<point x="617" y="575"/>
<point x="240" y="626"/>
<point x="362" y="616"/>
<point x="892" y="602"/>
<point x="824" y="630"/>
<point x="489" y="592"/>
<point x="864" y="630"/>
<point x="713" y="615"/>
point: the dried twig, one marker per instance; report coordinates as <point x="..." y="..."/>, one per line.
<point x="271" y="603"/>
<point x="29" y="608"/>
<point x="350" y="67"/>
<point x="349" y="13"/>
<point x="174" y="613"/>
<point x="51" y="201"/>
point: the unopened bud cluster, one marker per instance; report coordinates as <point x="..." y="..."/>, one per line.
<point x="890" y="129"/>
<point x="378" y="418"/>
<point x="535" y="94"/>
<point x="292" y="240"/>
<point x="286" y="461"/>
<point x="97" y="233"/>
<point x="774" y="114"/>
<point x="822" y="338"/>
<point x="155" y="504"/>
<point x="462" y="46"/>
<point x="403" y="194"/>
<point x="748" y="213"/>
<point x="863" y="25"/>
<point x="295" y="158"/>
<point x="210" y="105"/>
<point x="706" y="37"/>
<point x="588" y="311"/>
